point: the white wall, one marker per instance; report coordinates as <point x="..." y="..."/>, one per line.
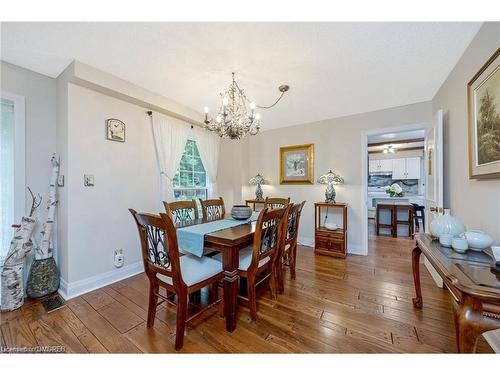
<point x="126" y="176"/>
<point x="475" y="202"/>
<point x="337" y="144"/>
<point x="230" y="175"/>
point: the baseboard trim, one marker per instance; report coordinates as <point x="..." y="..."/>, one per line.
<point x="306" y="241"/>
<point x="356" y="250"/>
<point x="77" y="288"/>
<point x="435" y="276"/>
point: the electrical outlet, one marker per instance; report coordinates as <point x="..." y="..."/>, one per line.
<point x="119" y="258"/>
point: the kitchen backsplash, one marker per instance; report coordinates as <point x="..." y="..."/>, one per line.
<point x="408" y="186"/>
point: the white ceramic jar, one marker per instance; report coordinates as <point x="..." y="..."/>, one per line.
<point x="446" y="224"/>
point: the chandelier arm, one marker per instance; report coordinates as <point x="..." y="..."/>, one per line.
<point x="242" y="93"/>
<point x="272" y="105"/>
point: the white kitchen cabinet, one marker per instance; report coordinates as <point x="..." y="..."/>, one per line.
<point x="379" y="165"/>
<point x="399" y="169"/>
<point x="413" y="168"/>
<point x="373" y="166"/>
<point x="385" y="165"/>
<point x="406" y="169"/>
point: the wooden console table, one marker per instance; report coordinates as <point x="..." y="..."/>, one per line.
<point x="475" y="289"/>
<point x="327" y="241"/>
<point x="254" y="202"/>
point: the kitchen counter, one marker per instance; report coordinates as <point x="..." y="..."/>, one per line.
<point x="383" y="197"/>
<point x="377" y="194"/>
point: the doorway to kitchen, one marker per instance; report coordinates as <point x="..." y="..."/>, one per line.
<point x="393" y="179"/>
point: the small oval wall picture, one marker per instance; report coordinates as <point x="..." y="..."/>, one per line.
<point x="115" y="130"/>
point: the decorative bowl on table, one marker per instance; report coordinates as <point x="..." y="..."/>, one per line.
<point x="241" y="212"/>
<point x="460" y="245"/>
<point x="478" y="241"/>
<point x="331" y="226"/>
<point x="445" y="239"/>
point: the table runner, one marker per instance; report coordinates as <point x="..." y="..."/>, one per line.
<point x="191" y="239"/>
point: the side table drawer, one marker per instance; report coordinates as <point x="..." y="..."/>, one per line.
<point x="322" y="243"/>
<point x="331" y="246"/>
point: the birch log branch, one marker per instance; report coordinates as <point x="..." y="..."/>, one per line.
<point x="11" y="279"/>
<point x="45" y="249"/>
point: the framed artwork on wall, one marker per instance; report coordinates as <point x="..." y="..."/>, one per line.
<point x="483" y="105"/>
<point x="297" y="164"/>
<point x="115" y="130"/>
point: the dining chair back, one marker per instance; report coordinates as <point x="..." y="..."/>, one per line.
<point x="160" y="252"/>
<point x="268" y="232"/>
<point x="182" y="211"/>
<point x="267" y="240"/>
<point x="276" y="202"/>
<point x="213" y="208"/>
<point x="179" y="275"/>
<point x="288" y="248"/>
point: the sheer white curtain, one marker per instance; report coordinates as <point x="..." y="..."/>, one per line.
<point x="209" y="145"/>
<point x="170" y="136"/>
<point x="6" y="174"/>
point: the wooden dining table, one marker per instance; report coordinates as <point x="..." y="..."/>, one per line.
<point x="229" y="242"/>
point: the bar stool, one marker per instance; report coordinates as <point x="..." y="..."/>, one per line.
<point x="392" y="225"/>
<point x="419" y="214"/>
<point x="409" y="222"/>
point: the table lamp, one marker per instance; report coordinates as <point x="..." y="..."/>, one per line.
<point x="330" y="179"/>
<point x="258" y="180"/>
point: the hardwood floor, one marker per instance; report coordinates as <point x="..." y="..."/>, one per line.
<point x="357" y="305"/>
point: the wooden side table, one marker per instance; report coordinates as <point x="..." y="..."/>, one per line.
<point x="468" y="277"/>
<point x="254" y="202"/>
<point x="327" y="241"/>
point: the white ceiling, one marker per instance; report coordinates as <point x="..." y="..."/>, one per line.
<point x="334" y="69"/>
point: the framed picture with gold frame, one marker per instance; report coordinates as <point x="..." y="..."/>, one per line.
<point x="483" y="106"/>
<point x="297" y="164"/>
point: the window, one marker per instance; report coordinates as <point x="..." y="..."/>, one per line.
<point x="190" y="181"/>
<point x="12" y="189"/>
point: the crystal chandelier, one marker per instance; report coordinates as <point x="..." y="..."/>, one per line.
<point x="237" y="115"/>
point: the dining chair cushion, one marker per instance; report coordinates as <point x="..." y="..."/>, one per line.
<point x="245" y="258"/>
<point x="195" y="269"/>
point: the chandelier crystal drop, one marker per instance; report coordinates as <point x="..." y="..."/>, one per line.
<point x="237" y="116"/>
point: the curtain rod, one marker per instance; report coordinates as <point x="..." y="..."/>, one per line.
<point x="150" y="113"/>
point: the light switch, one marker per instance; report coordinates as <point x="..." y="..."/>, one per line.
<point x="88" y="180"/>
<point x="60" y="180"/>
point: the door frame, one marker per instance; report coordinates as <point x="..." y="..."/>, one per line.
<point x="364" y="172"/>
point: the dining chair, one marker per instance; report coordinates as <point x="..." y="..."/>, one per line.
<point x="276" y="202"/>
<point x="288" y="249"/>
<point x="213" y="208"/>
<point x="182" y="211"/>
<point x="259" y="258"/>
<point x="179" y="275"/>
